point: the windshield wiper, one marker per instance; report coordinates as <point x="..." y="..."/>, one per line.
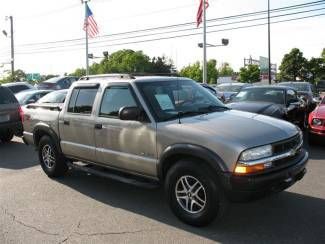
<point x="213" y="108"/>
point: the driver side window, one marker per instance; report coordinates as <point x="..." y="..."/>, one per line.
<point x="115" y="98"/>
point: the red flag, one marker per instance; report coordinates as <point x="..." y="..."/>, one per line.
<point x="200" y="12"/>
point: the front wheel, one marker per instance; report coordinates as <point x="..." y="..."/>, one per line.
<point x="193" y="193"/>
<point x="52" y="161"/>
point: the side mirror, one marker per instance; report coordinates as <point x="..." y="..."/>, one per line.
<point x="130" y="113"/>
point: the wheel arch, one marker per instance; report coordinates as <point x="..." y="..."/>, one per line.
<point x="176" y="152"/>
<point x="45" y="130"/>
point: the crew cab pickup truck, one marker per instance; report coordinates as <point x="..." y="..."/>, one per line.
<point x="167" y="131"/>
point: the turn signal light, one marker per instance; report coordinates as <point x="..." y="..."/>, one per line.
<point x="248" y="169"/>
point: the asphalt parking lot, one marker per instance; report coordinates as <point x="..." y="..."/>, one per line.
<point x="81" y="208"/>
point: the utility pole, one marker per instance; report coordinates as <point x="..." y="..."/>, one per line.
<point x="269" y="41"/>
<point x="12" y="61"/>
<point x="205" y="72"/>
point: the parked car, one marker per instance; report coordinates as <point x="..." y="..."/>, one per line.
<point x="306" y="90"/>
<point x="216" y="93"/>
<point x="170" y="131"/>
<point x="17" y="87"/>
<point x="30" y="96"/>
<point x="229" y="90"/>
<point x="10" y="115"/>
<point x="57" y="83"/>
<point x="317" y="122"/>
<point x="321" y="86"/>
<point x="276" y="101"/>
<point x="55" y="97"/>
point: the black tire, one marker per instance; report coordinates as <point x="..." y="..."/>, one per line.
<point x="57" y="166"/>
<point x="305" y="122"/>
<point x="7" y="136"/>
<point x="216" y="203"/>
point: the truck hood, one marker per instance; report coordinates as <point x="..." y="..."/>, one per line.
<point x="242" y="128"/>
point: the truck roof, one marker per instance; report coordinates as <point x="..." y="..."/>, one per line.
<point x="109" y="78"/>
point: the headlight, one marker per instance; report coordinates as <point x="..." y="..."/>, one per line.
<point x="256" y="153"/>
<point x="317" y="122"/>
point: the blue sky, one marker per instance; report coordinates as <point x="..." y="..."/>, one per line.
<point x="43" y="21"/>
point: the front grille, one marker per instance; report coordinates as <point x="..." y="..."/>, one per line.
<point x="286" y="146"/>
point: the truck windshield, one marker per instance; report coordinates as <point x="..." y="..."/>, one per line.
<point x="178" y="98"/>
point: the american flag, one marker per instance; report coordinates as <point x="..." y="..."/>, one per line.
<point x="200" y="12"/>
<point x="90" y="24"/>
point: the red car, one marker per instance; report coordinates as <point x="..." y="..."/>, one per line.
<point x="317" y="121"/>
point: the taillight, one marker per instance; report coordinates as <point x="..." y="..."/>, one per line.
<point x="21" y="114"/>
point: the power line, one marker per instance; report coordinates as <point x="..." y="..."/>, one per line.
<point x="182" y="30"/>
<point x="50" y="12"/>
<point x="180" y="36"/>
<point x="292" y="7"/>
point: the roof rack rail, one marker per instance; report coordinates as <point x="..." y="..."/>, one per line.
<point x="156" y="74"/>
<point x="120" y="76"/>
<point x="128" y="76"/>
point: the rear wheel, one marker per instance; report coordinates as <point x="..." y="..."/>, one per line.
<point x="193" y="193"/>
<point x="52" y="161"/>
<point x="6" y="136"/>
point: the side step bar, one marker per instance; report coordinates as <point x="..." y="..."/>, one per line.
<point x="115" y="175"/>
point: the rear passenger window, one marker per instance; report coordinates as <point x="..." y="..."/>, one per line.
<point x="115" y="98"/>
<point x="6" y="96"/>
<point x="82" y="100"/>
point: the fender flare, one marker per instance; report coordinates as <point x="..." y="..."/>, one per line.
<point x="190" y="150"/>
<point x="47" y="130"/>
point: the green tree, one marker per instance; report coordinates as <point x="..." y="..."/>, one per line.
<point x="19" y="75"/>
<point x="192" y="71"/>
<point x="212" y="71"/>
<point x="160" y="65"/>
<point x="293" y="65"/>
<point x="79" y="72"/>
<point x="226" y="70"/>
<point x="315" y="69"/>
<point x="125" y="61"/>
<point x="250" y="74"/>
<point x="129" y="61"/>
<point x="323" y="54"/>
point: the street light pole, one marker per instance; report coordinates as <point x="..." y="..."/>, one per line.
<point x="269" y="41"/>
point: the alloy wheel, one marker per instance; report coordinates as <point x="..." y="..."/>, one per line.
<point x="190" y="194"/>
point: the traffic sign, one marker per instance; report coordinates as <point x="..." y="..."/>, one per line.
<point x="33" y="77"/>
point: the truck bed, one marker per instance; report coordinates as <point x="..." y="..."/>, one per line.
<point x="46" y="115"/>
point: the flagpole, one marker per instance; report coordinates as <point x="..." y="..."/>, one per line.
<point x="86" y="25"/>
<point x="205" y="74"/>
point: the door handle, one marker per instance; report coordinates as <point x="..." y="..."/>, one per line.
<point x="98" y="126"/>
<point x="66" y="122"/>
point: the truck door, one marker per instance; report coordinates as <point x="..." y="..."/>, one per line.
<point x="126" y="145"/>
<point x="77" y="126"/>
